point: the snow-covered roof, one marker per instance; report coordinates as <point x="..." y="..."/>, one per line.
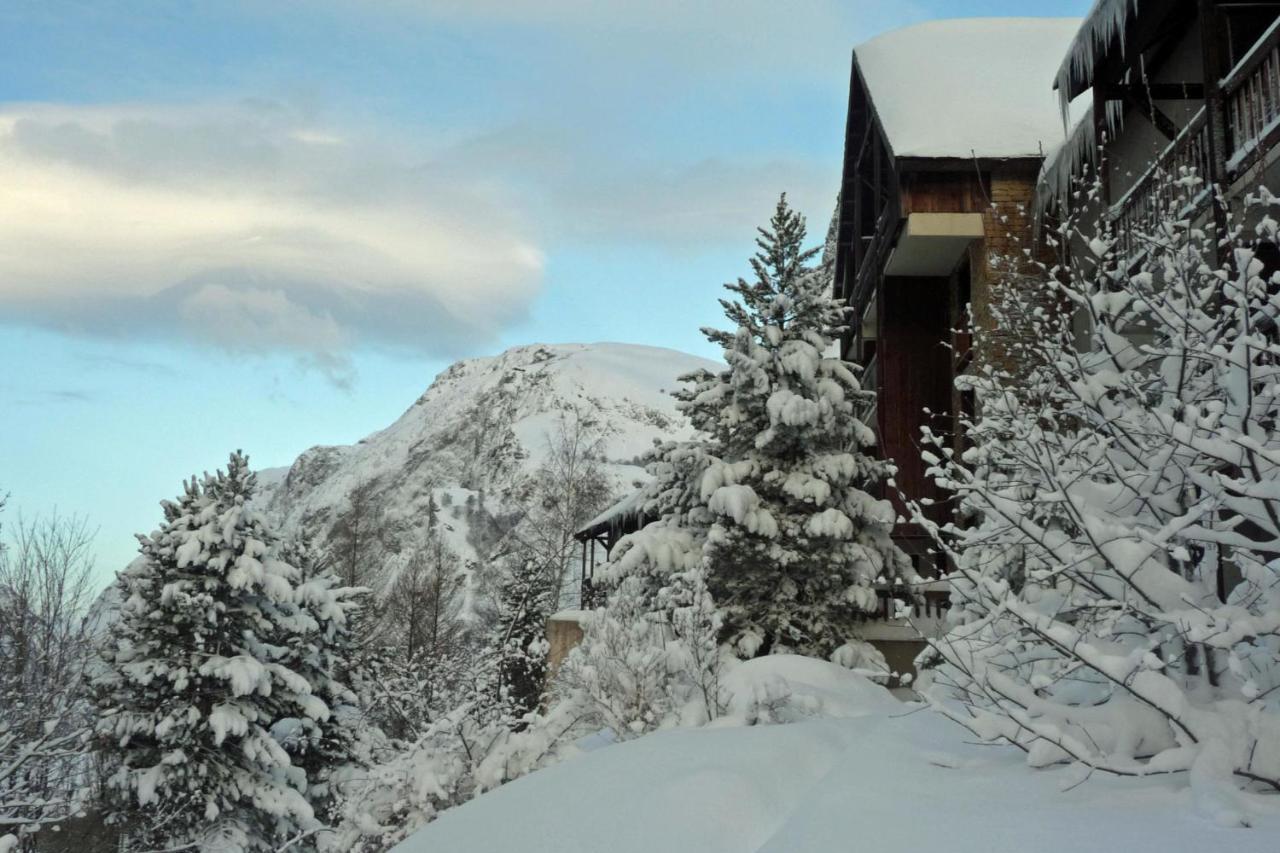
<point x="1064" y="164"/>
<point x="632" y="506"/>
<point x="966" y="87"/>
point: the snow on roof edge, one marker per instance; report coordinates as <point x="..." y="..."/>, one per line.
<point x="630" y="506"/>
<point x="933" y="101"/>
<point x="1065" y="163"/>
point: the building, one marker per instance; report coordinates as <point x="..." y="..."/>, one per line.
<point x="941" y="163"/>
<point x="942" y="158"/>
<point x="600" y="534"/>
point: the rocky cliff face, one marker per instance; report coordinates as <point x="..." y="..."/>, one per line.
<point x="470" y="444"/>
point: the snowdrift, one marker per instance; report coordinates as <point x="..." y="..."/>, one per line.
<point x="870" y="774"/>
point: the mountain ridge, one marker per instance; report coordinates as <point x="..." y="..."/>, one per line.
<point x="467" y="447"/>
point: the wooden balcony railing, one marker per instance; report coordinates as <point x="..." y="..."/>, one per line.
<point x="873" y="258"/>
<point x="1251" y="106"/>
<point x="1156" y="194"/>
<point x="1251" y="100"/>
<point x="870" y="381"/>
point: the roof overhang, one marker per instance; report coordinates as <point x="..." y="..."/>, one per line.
<point x="629" y="509"/>
<point x="1114" y="35"/>
<point x="931" y="244"/>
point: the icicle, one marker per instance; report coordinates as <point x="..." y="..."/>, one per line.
<point x="1107" y="20"/>
<point x="1066" y="164"/>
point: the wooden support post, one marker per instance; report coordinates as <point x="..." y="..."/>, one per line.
<point x="1100" y="140"/>
<point x="856" y="243"/>
<point x="1215" y="115"/>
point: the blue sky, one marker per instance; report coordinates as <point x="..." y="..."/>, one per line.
<point x="268" y="225"/>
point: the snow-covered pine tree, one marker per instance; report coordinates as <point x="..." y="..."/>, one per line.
<point x="1117" y="597"/>
<point x="526" y="596"/>
<point x="197" y="673"/>
<point x="672" y="543"/>
<point x="321" y="647"/>
<point x="796" y="543"/>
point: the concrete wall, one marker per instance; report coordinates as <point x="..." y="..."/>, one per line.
<point x="564" y="632"/>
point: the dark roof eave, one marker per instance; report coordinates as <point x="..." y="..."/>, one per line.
<point x="956" y="164"/>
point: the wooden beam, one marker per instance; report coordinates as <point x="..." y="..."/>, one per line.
<point x="1153" y="91"/>
<point x="1153" y="114"/>
<point x="855" y="246"/>
<point x="1029" y="165"/>
<point x="879" y="155"/>
<point x="847" y="208"/>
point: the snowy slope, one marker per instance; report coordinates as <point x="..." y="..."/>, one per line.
<point x="482" y="429"/>
<point x="883" y="780"/>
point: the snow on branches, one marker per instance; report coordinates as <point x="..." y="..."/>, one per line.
<point x="793" y="542"/>
<point x="1117" y="588"/>
<point x="222" y="664"/>
<point x="45" y="646"/>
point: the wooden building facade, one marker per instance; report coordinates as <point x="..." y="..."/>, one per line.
<point x="935" y="211"/>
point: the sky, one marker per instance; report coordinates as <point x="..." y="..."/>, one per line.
<point x="268" y="224"/>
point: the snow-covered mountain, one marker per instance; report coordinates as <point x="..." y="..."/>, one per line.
<point x="479" y="432"/>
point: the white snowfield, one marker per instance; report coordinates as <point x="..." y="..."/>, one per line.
<point x="867" y="773"/>
<point x="924" y="79"/>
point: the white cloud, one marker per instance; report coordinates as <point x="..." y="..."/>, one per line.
<point x="247" y="228"/>
<point x="588" y="189"/>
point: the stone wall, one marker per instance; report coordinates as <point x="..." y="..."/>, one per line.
<point x="1000" y="259"/>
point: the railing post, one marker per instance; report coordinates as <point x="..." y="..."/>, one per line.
<point x="1215" y="118"/>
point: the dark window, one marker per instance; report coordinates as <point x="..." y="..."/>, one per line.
<point x="1242" y="26"/>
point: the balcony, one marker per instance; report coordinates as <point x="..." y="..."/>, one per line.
<point x="1250" y="97"/>
<point x="872" y="257"/>
<point x="1156" y="193"/>
<point x="1251" y="101"/>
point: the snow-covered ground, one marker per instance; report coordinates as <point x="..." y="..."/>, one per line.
<point x="868" y="773"/>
